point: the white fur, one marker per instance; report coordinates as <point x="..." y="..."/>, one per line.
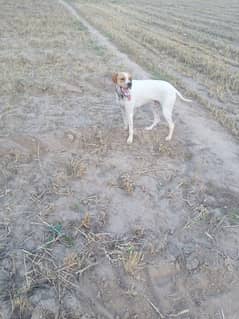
<point x="143" y="92"/>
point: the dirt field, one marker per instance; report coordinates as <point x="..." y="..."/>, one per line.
<point x="89" y="226"/>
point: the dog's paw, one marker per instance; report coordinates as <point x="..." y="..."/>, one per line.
<point x="168" y="138"/>
<point x="130" y="140"/>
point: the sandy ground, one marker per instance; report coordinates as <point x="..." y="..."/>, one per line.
<point x="92" y="227"/>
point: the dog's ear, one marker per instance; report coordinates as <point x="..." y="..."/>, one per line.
<point x="114" y="77"/>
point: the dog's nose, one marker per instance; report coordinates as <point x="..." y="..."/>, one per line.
<point x="129" y="84"/>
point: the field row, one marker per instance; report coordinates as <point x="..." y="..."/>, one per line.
<point x="218" y="11"/>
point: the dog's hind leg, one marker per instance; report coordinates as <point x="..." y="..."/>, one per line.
<point x="155" y="110"/>
<point x="167" y="108"/>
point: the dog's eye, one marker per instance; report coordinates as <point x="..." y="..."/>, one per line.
<point x="122" y="79"/>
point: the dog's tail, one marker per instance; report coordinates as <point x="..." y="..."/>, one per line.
<point x="181" y="97"/>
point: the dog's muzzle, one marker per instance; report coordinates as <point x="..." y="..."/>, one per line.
<point x="123" y="92"/>
<point x="129" y="85"/>
<point x="126" y="93"/>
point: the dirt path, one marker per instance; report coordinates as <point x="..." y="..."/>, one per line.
<point x="93" y="228"/>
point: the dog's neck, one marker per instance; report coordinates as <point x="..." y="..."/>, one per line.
<point x="123" y="93"/>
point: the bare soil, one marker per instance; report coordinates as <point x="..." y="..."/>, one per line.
<point x="89" y="226"/>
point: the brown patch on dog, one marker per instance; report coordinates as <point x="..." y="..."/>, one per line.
<point x="114" y="77"/>
<point x="121" y="79"/>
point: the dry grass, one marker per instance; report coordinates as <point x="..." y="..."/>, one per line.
<point x="76" y="168"/>
<point x="59" y="185"/>
<point x="133" y="262"/>
<point x="71" y="261"/>
<point x="186" y="53"/>
<point x="233" y="217"/>
<point x="200" y="213"/>
<point x="42" y="268"/>
<point x="21" y="307"/>
<point x="126" y="183"/>
<point x="18" y="75"/>
<point x="86" y="221"/>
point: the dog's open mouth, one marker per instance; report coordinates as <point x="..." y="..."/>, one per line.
<point x="125" y="92"/>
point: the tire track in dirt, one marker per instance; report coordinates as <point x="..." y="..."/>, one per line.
<point x="199" y="129"/>
<point x="102" y="40"/>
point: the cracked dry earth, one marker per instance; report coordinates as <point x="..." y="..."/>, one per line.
<point x="92" y="227"/>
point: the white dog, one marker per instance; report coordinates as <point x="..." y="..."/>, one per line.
<point x="131" y="94"/>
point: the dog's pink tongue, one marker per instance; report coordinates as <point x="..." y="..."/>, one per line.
<point x="126" y="91"/>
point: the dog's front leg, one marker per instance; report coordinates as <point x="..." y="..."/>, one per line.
<point x="129" y="109"/>
<point x="125" y="120"/>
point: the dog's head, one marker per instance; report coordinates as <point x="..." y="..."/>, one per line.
<point x="122" y="79"/>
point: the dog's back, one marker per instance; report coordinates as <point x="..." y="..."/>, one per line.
<point x="145" y="91"/>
